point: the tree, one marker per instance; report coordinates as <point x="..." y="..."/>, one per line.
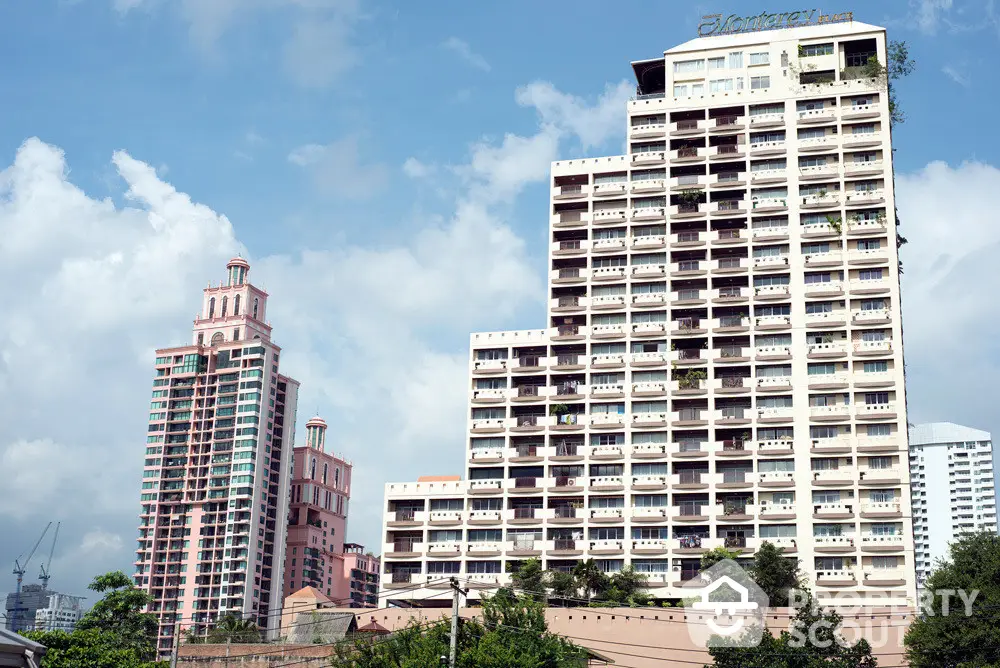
<point x="715" y="555"/>
<point x="590" y="579"/>
<point x="775" y="574"/>
<point x="627" y="587"/>
<point x="229" y="629"/>
<point x="953" y="639"/>
<point x="898" y="65"/>
<point x="812" y="641"/>
<point x="511" y="632"/>
<point x="114" y="633"/>
<point x="562" y="584"/>
<point x="529" y="578"/>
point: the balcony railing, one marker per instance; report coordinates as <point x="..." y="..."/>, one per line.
<point x="564" y="512"/>
<point x="689" y="478"/>
<point x="733" y="445"/>
<point x="566" y="450"/>
<point x="726" y="121"/>
<point x="401" y="577"/>
<point x="524" y="513"/>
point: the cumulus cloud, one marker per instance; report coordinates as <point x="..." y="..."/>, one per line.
<point x="416" y="169"/>
<point x="338" y="168"/>
<point x="593" y="124"/>
<point x="465" y="52"/>
<point x="377" y="334"/>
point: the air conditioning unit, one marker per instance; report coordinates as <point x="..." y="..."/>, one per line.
<point x="570" y="482"/>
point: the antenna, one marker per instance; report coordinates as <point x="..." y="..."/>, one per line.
<point x="46" y="573"/>
<point x="19" y="570"/>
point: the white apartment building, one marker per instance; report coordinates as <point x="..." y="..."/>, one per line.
<point x="953" y="488"/>
<point x="61" y="613"/>
<point x="722" y="363"/>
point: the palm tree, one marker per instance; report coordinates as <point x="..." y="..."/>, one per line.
<point x="232" y="629"/>
<point x="590" y="578"/>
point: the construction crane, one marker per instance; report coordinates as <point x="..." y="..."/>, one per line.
<point x="45" y="574"/>
<point x="19" y="570"/>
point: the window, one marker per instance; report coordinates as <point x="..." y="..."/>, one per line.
<point x="869" y="244"/>
<point x="255" y="305"/>
<point x="759" y="83"/>
<point x="680" y="90"/>
<point x="236" y="305"/>
<point x="687" y="66"/>
<point x="774" y="402"/>
<point x="822" y="369"/>
<point x="613" y="233"/>
<point x="211" y="307"/>
<point x="720" y="85"/>
<point x="491" y="354"/>
<point x="225" y="306"/>
<point x="810" y="50"/>
<point x="717" y="63"/>
<point x="760" y="58"/>
<point x="813" y="308"/>
<point x="649" y="500"/>
<point x="812" y="133"/>
<point x="735" y="60"/>
<point x="774" y="371"/>
<point x="764" y="109"/>
<point x="870" y="274"/>
<point x="818" y="433"/>
<point x="863" y="129"/>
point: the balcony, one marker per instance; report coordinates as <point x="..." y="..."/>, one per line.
<point x="405" y="518"/>
<point x="648" y="299"/>
<point x="565" y="547"/>
<point x="649" y="271"/>
<point x="649" y="514"/>
<point x="607" y="302"/>
<point x="444" y="517"/>
<point x="572" y="247"/>
<point x="874" y="286"/>
<point x="878" y="316"/>
<point x="403" y="548"/>
<point x="821" y="230"/>
<point x="686" y="127"/>
<point x="833" y="511"/>
<point x="727" y="152"/>
<point x="729" y="265"/>
<point x="607" y="391"/>
<point x="649" y="213"/>
<point x="766" y="120"/>
<point x="528" y="393"/>
<point x="649" y="242"/>
<point x="608" y="273"/>
<point x="690" y="512"/>
<point x="727" y="207"/>
<point x="886" y="577"/>
<point x="608" y="331"/>
<point x="647" y="130"/>
<point x="689" y="544"/>
<point x="608" y="245"/>
<point x="649" y="389"/>
<point x="687" y="154"/>
<point x="839" y="578"/>
<point x="609" y="189"/>
<point x="729" y="180"/>
<point x="818" y="143"/>
<point x="688" y="327"/>
<point x="488" y="396"/>
<point x="862" y="139"/>
<point x="881" y="509"/>
<point x="830" y="170"/>
<point x="690" y="480"/>
<point x="836" y="318"/>
<point x="865" y="197"/>
<point x="570" y="219"/>
<point x="771" y="322"/>
<point x="647" y="186"/>
<point x="821" y="200"/>
<point x="688" y="297"/>
<point x="650" y="546"/>
<point x="882" y="542"/>
<point x="762" y="176"/>
<point x="529" y="363"/>
<point x="569" y="275"/>
<point x="565" y="304"/>
<point x="766" y="353"/>
<point x="451" y="548"/>
<point x="493" y="486"/>
<point x="649" y="158"/>
<point x="490" y="456"/>
<point x="845" y="475"/>
<point x="827" y="381"/>
<point x="855" y="111"/>
<point x="649" y="482"/>
<point x="732" y="385"/>
<point x="830" y="350"/>
<point x="612" y="361"/>
<point x="529" y="423"/>
<point x="606" y="451"/>
<point x="484" y="548"/>
<point x="569" y="362"/>
<point x="734" y="448"/>
<point x="686" y="182"/>
<point x="523" y="546"/>
<point x="824" y="115"/>
<point x="872" y="256"/>
<point x="609" y="216"/>
<point x="649" y="359"/>
<point x="730" y="295"/>
<point x="649" y="329"/>
<point x="775" y="446"/>
<point x="731" y="237"/>
<point x="687" y="268"/>
<point x="767" y="148"/>
<point x="480" y="517"/>
<point x="524" y="453"/>
<point x="570" y="192"/>
<point x="686" y="210"/>
<point x="489" y="426"/>
<point x="776" y="478"/>
<point x="834" y="544"/>
<point x="770" y="263"/>
<point x="607" y="483"/>
<point x="766" y="292"/>
<point x="606" y="515"/>
<point x="489" y="366"/>
<point x="831" y="288"/>
<point x="687" y="239"/>
<point x="777" y="511"/>
<point x="606" y="547"/>
<point x="886" y="476"/>
<point x="863" y="167"/>
<point x="769" y="204"/>
<point x="873" y="348"/>
<point x="774" y="383"/>
<point x="688" y="449"/>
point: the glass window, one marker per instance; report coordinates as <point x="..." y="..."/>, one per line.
<point x="720" y="85"/>
<point x="761" y="82"/>
<point x="735" y="60"/>
<point x="760" y="58"/>
<point x="686" y="66"/>
<point x="717" y="63"/>
<point x="809" y="50"/>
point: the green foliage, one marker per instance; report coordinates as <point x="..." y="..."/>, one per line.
<point x="590" y="578"/>
<point x="715" y="555"/>
<point x="812" y="641"/>
<point x="115" y="633"/>
<point x="512" y="632"/>
<point x="955" y="640"/>
<point x="529" y="579"/>
<point x="775" y="574"/>
<point x="563" y="584"/>
<point x="690" y="379"/>
<point x="558" y="409"/>
<point x="898" y="66"/>
<point x="690" y="196"/>
<point x="231" y="629"/>
<point x="626" y="587"/>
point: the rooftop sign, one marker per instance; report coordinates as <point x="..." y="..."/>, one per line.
<point x="713" y="24"/>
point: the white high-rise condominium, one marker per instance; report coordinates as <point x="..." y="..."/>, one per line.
<point x="953" y="488"/>
<point x="722" y="362"/>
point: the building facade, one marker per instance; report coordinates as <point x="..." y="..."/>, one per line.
<point x="360" y="579"/>
<point x="722" y="359"/>
<point x="317" y="521"/>
<point x="953" y="489"/>
<point x="61" y="613"/>
<point x="216" y="478"/>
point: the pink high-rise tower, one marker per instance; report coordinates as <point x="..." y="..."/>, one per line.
<point x="216" y="478"/>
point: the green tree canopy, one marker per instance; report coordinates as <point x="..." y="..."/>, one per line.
<point x="775" y="574"/>
<point x="512" y="633"/>
<point x="955" y="640"/>
<point x="115" y="633"/>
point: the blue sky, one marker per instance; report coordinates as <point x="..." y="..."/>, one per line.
<point x="384" y="167"/>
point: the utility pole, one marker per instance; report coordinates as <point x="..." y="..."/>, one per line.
<point x="177" y="641"/>
<point x="456" y="594"/>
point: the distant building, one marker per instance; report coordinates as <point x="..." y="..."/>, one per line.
<point x="361" y="578"/>
<point x="953" y="489"/>
<point x="33" y="598"/>
<point x="61" y="613"/>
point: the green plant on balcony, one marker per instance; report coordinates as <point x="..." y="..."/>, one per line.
<point x="734" y="508"/>
<point x="691" y="379"/>
<point x="558" y="409"/>
<point x="834" y="222"/>
<point x="690" y="197"/>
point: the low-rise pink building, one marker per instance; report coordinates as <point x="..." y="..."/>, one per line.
<point x="316" y="555"/>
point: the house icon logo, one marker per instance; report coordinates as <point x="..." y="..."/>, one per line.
<point x="726" y="607"/>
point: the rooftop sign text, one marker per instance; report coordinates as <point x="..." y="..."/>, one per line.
<point x="714" y="24"/>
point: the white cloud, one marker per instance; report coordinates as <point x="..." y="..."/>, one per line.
<point x="416" y="169"/>
<point x="927" y="14"/>
<point x="594" y="125"/>
<point x="125" y="6"/>
<point x="338" y="168"/>
<point x="377" y="334"/>
<point x="320" y="51"/>
<point x="959" y="77"/>
<point x="465" y="52"/>
<point x="949" y="285"/>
